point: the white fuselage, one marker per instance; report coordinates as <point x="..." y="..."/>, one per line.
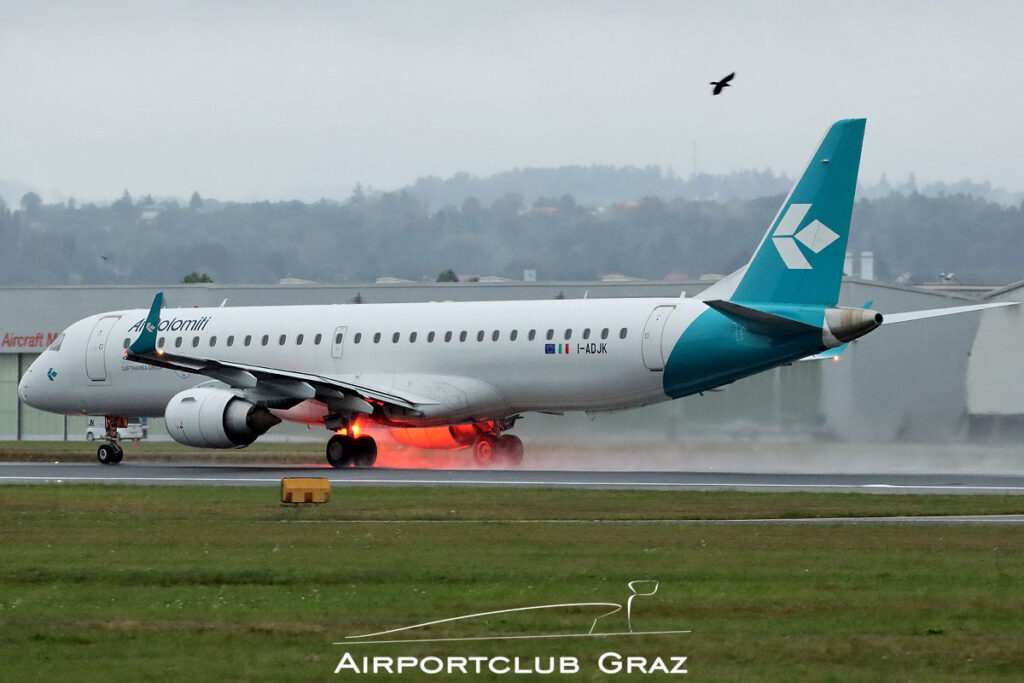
<point x="476" y="360"/>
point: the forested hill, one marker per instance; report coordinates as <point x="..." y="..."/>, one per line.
<point x="914" y="238"/>
<point x="604" y="185"/>
<point x="597" y="185"/>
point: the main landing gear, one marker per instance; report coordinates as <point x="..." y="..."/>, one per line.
<point x="355" y="451"/>
<point x="110" y="452"/>
<point x="489" y="450"/>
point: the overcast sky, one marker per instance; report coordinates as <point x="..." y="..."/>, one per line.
<point x="297" y="99"/>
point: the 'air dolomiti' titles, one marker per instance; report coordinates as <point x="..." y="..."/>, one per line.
<point x="176" y="324"/>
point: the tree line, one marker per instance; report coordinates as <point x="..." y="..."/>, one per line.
<point x="370" y="235"/>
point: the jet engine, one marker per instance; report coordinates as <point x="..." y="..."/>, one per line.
<point x="441" y="438"/>
<point x="843" y="325"/>
<point x="206" y="417"/>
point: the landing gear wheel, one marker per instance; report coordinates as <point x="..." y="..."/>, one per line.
<point x="365" y="452"/>
<point x="484" y="451"/>
<point x="340" y="451"/>
<point x="109" y="455"/>
<point x="511" y="448"/>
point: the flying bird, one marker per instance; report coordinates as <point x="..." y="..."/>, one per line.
<point x="724" y="83"/>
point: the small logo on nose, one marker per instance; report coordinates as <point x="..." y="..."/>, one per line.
<point x="51" y="373"/>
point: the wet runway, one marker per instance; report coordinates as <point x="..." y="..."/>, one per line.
<point x="268" y="475"/>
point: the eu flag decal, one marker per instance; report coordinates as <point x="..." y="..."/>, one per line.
<point x="549" y="348"/>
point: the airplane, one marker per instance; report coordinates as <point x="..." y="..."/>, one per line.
<point x="460" y="374"/>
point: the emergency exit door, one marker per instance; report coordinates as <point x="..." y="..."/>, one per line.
<point x="338" y="343"/>
<point x="95" y="353"/>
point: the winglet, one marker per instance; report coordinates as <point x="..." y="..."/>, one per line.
<point x="146" y="343"/>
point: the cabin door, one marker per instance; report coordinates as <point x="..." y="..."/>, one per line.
<point x="653" y="358"/>
<point x="95" y="353"/>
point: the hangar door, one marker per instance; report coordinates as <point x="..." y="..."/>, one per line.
<point x="95" y="353"/>
<point x="653" y="358"/>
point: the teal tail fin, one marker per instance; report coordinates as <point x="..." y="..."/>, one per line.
<point x="800" y="259"/>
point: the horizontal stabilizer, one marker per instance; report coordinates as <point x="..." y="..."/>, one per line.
<point x="828" y="354"/>
<point x="891" y="318"/>
<point x="760" y="322"/>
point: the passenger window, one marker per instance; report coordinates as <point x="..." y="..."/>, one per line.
<point x="494" y="335"/>
<point x="622" y="333"/>
<point x="231" y="340"/>
<point x="264" y="340"/>
<point x="568" y="334"/>
<point x="127" y="341"/>
<point x="513" y="335"/>
<point x="586" y="333"/>
<point x="317" y="339"/>
<point x="298" y="339"/>
<point x="376" y="338"/>
<point x="550" y="335"/>
<point x="177" y="342"/>
<point x="448" y="336"/>
<point x="338" y="337"/>
<point x="604" y="333"/>
<point x="159" y="342"/>
<point x="248" y="339"/>
<point x="462" y="336"/>
<point x="430" y="336"/>
<point x="358" y="338"/>
<point x="282" y="339"/>
<point x="195" y="342"/>
<point x="532" y="335"/>
<point x="213" y="341"/>
<point x="395" y="337"/>
<point x="480" y="336"/>
<point x="412" y="337"/>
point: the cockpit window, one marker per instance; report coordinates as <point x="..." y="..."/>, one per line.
<point x="55" y="346"/>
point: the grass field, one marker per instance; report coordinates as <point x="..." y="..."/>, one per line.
<point x="173" y="583"/>
<point x="283" y="453"/>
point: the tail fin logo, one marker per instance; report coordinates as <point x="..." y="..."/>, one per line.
<point x="815" y="236"/>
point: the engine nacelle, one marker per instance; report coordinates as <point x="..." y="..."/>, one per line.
<point x="205" y="417"/>
<point x="843" y="325"/>
<point x="440" y="438"/>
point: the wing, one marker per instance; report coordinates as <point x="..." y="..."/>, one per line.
<point x="892" y="318"/>
<point x="729" y="77"/>
<point x="271" y="382"/>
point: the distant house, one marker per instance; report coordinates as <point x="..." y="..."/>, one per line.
<point x="619" y="277"/>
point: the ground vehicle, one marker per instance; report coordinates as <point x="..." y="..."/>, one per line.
<point x="137" y="428"/>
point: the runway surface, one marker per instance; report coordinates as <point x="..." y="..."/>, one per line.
<point x="266" y="475"/>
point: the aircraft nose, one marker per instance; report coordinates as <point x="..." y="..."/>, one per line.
<point x="29" y="389"/>
<point x="24" y="385"/>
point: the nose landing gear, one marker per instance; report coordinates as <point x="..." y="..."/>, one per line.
<point x="111" y="453"/>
